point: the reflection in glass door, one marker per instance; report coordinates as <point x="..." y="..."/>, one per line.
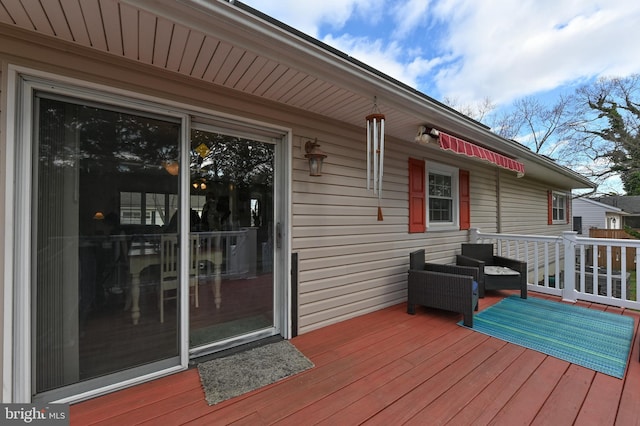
<point x="232" y="218"/>
<point x="102" y="203"/>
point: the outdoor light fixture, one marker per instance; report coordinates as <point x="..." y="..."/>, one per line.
<point x="315" y="157"/>
<point x="426" y="135"/>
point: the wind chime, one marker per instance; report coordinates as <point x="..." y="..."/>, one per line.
<point x="375" y="153"/>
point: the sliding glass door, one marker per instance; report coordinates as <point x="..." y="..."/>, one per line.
<point x="149" y="243"/>
<point x="232" y="219"/>
<point x="102" y="203"/>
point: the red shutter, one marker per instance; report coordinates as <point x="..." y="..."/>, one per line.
<point x="465" y="200"/>
<point x="417" y="202"/>
<point x="568" y="209"/>
<point x="549" y="208"/>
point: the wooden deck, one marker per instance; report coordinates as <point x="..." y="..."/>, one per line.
<point x="391" y="368"/>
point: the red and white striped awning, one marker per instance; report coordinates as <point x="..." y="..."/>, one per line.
<point x="469" y="149"/>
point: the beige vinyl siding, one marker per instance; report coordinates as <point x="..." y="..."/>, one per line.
<point x="524" y="211"/>
<point x="484" y="201"/>
<point x="349" y="262"/>
<point x="524" y="208"/>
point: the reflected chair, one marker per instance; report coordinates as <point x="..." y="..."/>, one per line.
<point x="481" y="256"/>
<point x="448" y="287"/>
<point x="169" y="268"/>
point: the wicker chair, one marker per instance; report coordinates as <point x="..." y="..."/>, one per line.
<point x="481" y="255"/>
<point x="447" y="287"/>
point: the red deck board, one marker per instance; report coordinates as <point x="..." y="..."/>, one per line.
<point x="387" y="367"/>
<point x="486" y="405"/>
<point x="405" y="408"/>
<point x="451" y="402"/>
<point x="529" y="399"/>
<point x="564" y="402"/>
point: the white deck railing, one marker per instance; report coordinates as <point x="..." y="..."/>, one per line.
<point x="573" y="267"/>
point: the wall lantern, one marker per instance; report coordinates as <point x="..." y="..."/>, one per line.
<point x="426" y="135"/>
<point x="315" y="157"/>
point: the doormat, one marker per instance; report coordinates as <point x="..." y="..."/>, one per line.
<point x="597" y="340"/>
<point x="228" y="377"/>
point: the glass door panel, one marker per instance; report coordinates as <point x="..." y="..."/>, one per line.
<point x="101" y="201"/>
<point x="232" y="218"/>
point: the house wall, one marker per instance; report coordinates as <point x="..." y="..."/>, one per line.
<point x="524" y="212"/>
<point x="593" y="216"/>
<point x="349" y="262"/>
<point x="524" y="207"/>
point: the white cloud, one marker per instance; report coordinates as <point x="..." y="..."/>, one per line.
<point x="473" y="50"/>
<point x="385" y="57"/>
<point x="309" y="16"/>
<point x="409" y="16"/>
<point x="507" y="50"/>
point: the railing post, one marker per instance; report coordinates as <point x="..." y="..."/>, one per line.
<point x="473" y="235"/>
<point x="570" y="241"/>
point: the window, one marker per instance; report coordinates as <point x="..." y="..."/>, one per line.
<point x="442" y="196"/>
<point x="157" y="209"/>
<point x="557" y="208"/>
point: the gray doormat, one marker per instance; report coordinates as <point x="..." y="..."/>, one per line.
<point x="228" y="377"/>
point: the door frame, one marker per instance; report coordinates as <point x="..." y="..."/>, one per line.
<point x="17" y="320"/>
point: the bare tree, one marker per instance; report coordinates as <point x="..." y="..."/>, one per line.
<point x="606" y="129"/>
<point x="478" y="111"/>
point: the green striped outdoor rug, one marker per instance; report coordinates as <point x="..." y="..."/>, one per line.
<point x="593" y="339"/>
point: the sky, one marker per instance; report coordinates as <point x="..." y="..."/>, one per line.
<point x="468" y="50"/>
<point x="463" y="52"/>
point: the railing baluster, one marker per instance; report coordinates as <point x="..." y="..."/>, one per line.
<point x="594" y="270"/>
<point x="546" y="264"/>
<point x="557" y="260"/>
<point x="536" y="263"/>
<point x="623" y="273"/>
<point x="584" y="269"/>
<point x="609" y="286"/>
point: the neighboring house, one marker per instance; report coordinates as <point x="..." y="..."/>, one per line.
<point x="130" y="128"/>
<point x="630" y="204"/>
<point x="588" y="213"/>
